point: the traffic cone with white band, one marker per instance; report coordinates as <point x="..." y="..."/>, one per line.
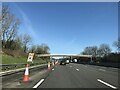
<point x="52" y="63"/>
<point x="26" y="75"/>
<point x="48" y="65"/>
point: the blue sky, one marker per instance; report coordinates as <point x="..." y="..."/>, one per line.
<point x="68" y="27"/>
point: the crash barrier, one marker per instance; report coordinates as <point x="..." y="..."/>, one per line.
<point x="32" y="68"/>
<point x="105" y="64"/>
<point x="5" y="67"/>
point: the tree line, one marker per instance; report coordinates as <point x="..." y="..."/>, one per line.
<point x="10" y="37"/>
<point x="103" y="52"/>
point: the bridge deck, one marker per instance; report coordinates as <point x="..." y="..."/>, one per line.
<point x="59" y="55"/>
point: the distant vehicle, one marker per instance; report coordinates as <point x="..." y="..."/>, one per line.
<point x="62" y="62"/>
<point x="67" y="61"/>
<point x="75" y="60"/>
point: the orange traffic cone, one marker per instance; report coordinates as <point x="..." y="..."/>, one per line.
<point x="48" y="65"/>
<point x="26" y="75"/>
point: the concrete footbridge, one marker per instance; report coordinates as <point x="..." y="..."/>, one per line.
<point x="59" y="55"/>
<point x="71" y="56"/>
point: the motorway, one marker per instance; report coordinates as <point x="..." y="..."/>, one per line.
<point x="81" y="76"/>
<point x="72" y="75"/>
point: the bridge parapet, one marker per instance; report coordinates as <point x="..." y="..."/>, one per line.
<point x="59" y="55"/>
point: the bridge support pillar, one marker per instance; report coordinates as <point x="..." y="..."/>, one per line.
<point x="71" y="58"/>
<point x="91" y="59"/>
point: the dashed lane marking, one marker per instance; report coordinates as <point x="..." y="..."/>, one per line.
<point x="39" y="83"/>
<point x="107" y="84"/>
<point x="77" y="69"/>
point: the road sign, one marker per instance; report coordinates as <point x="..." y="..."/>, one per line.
<point x="30" y="57"/>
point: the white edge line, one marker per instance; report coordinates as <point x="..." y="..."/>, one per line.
<point x="40" y="82"/>
<point x="107" y="84"/>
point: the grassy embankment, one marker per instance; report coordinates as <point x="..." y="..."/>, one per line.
<point x="17" y="57"/>
<point x="7" y="59"/>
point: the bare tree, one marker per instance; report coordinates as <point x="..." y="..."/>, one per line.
<point x="33" y="49"/>
<point x="26" y="41"/>
<point x="104" y="50"/>
<point x="94" y="50"/>
<point x="19" y="40"/>
<point x="45" y="48"/>
<point x="42" y="49"/>
<point x="10" y="25"/>
<point x="91" y="50"/>
<point x="87" y="51"/>
<point x="117" y="44"/>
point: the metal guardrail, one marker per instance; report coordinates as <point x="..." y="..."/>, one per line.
<point x="16" y="66"/>
<point x="115" y="65"/>
<point x="16" y="70"/>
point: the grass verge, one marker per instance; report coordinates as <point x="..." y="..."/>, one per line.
<point x="6" y="59"/>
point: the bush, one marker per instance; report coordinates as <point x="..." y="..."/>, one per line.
<point x="113" y="57"/>
<point x="15" y="53"/>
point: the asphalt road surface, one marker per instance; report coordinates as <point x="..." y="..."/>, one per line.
<point x="16" y="80"/>
<point x="65" y="76"/>
<point x="80" y="76"/>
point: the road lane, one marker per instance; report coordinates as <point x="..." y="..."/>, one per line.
<point x="59" y="78"/>
<point x="69" y="77"/>
<point x="16" y="80"/>
<point x="95" y="72"/>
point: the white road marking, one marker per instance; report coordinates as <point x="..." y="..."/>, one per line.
<point x="77" y="69"/>
<point x="40" y="82"/>
<point x="102" y="69"/>
<point x="107" y="84"/>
